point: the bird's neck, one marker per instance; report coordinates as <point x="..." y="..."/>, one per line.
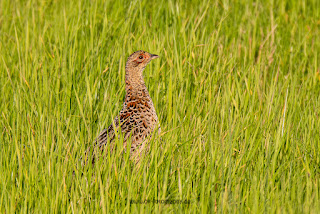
<point x="136" y="88"/>
<point x="134" y="80"/>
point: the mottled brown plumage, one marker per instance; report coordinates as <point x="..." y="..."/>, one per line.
<point x="138" y="119"/>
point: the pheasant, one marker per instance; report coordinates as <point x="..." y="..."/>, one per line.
<point x="138" y="118"/>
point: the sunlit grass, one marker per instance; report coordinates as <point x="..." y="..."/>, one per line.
<point x="236" y="89"/>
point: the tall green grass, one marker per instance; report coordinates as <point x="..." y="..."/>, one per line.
<point x="236" y="89"/>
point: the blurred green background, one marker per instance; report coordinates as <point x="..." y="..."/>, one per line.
<point x="236" y="89"/>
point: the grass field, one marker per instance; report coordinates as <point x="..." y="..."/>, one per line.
<point x="236" y="89"/>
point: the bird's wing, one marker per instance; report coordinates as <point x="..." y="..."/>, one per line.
<point x="105" y="136"/>
<point x="108" y="134"/>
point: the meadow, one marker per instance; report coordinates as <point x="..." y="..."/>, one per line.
<point x="236" y="89"/>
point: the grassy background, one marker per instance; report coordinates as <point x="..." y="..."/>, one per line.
<point x="236" y="89"/>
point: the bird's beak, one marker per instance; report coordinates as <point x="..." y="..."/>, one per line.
<point x="153" y="56"/>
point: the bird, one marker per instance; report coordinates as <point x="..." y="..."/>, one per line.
<point x="137" y="120"/>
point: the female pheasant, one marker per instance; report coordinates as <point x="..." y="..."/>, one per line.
<point x="138" y="118"/>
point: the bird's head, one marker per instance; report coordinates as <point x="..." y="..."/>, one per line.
<point x="139" y="60"/>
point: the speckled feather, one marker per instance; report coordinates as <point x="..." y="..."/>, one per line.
<point x="138" y="117"/>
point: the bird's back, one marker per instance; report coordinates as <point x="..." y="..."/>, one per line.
<point x="137" y="120"/>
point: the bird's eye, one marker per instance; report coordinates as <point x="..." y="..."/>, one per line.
<point x="140" y="57"/>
